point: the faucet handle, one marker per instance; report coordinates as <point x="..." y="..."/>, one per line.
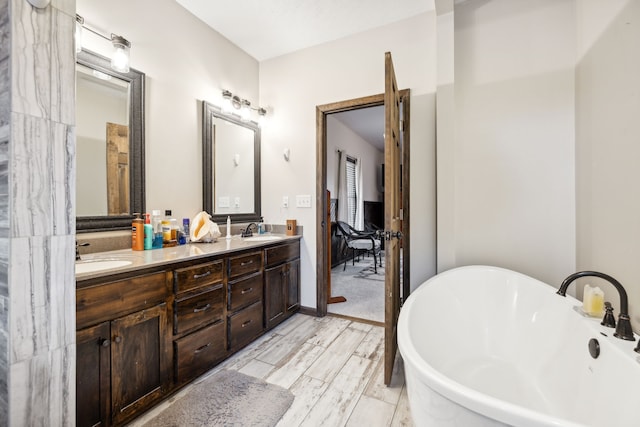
<point x="609" y="320"/>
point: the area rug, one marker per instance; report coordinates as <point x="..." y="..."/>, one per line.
<point x="227" y="398"/>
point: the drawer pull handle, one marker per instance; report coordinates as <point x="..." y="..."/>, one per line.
<point x="246" y="323"/>
<point x="242" y="264"/>
<point x="198" y="310"/>
<point x="202" y="348"/>
<point x="118" y="339"/>
<point x="246" y="291"/>
<point x="200" y="276"/>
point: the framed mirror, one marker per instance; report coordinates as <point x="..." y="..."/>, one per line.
<point x="231" y="166"/>
<point x="110" y="125"/>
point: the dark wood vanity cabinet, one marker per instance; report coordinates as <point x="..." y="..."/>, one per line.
<point x="281" y="283"/>
<point x="199" y="327"/>
<point x="123" y="359"/>
<point x="244" y="307"/>
<point x="143" y="337"/>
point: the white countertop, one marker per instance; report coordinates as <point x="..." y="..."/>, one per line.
<point x="156" y="257"/>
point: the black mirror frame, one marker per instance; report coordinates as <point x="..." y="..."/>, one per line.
<point x="209" y="111"/>
<point x="136" y="80"/>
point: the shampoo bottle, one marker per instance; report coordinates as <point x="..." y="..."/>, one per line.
<point x="137" y="233"/>
<point x="148" y="232"/>
<point x="156" y="224"/>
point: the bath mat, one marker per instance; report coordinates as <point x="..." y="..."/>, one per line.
<point x="227" y="398"/>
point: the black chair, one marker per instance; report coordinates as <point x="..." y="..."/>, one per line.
<point x="360" y="241"/>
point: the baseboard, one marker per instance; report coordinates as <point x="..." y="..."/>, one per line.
<point x="308" y="311"/>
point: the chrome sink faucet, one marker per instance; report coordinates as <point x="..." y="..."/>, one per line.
<point x="247" y="231"/>
<point x="623" y="328"/>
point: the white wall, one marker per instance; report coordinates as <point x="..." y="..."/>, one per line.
<point x="293" y="85"/>
<point x="608" y="144"/>
<point x="185" y="62"/>
<point x="509" y="175"/>
<point x="341" y="137"/>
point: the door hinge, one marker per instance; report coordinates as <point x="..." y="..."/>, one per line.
<point x="402" y="125"/>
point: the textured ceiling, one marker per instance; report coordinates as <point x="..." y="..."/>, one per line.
<point x="269" y="28"/>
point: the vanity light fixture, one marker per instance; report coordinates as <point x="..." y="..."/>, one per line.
<point x="78" y="36"/>
<point x="245" y="112"/>
<point x="120" y="56"/>
<point x="121" y="46"/>
<point x="242" y="107"/>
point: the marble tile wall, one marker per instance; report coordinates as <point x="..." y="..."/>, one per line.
<point x="5" y="114"/>
<point x="37" y="215"/>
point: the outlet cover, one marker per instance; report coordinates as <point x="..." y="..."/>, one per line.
<point x="285" y="201"/>
<point x="303" y="201"/>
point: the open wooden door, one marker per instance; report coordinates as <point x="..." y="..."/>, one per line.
<point x="392" y="216"/>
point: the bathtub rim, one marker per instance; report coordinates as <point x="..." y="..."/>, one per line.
<point x="476" y="401"/>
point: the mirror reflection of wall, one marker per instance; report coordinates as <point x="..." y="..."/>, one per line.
<point x="233" y="167"/>
<point x="101" y="100"/>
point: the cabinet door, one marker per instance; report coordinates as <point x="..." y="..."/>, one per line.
<point x="93" y="377"/>
<point x="139" y="361"/>
<point x="293" y="286"/>
<point x="274" y="296"/>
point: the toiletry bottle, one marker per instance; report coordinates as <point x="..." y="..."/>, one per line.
<point x="156" y="223"/>
<point x="137" y="233"/>
<point x="185" y="230"/>
<point x="228" y="227"/>
<point x="148" y="232"/>
<point x="174" y="229"/>
<point x="166" y="228"/>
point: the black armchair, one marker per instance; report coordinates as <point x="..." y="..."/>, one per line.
<point x="360" y="241"/>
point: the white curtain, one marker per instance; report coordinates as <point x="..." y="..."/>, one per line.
<point x="359" y="196"/>
<point x="343" y="204"/>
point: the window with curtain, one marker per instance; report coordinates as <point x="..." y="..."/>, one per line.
<point x="352" y="191"/>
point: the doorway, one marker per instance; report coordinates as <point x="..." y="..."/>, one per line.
<point x="325" y="218"/>
<point x="355" y="190"/>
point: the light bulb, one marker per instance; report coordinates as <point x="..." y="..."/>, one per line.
<point x="120" y="56"/>
<point x="78" y="35"/>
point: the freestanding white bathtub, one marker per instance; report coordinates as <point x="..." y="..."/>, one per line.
<point x="485" y="346"/>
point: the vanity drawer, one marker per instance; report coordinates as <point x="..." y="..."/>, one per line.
<point x="199" y="351"/>
<point x="245" y="292"/>
<point x="195" y="309"/>
<point x="245" y="264"/>
<point x="198" y="275"/>
<point x="108" y="301"/>
<point x="279" y="254"/>
<point x="245" y="325"/>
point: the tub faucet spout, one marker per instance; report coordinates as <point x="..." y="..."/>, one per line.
<point x="623" y="328"/>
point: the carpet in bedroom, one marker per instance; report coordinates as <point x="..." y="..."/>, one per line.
<point x="362" y="287"/>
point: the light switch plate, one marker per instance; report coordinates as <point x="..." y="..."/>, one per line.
<point x="236" y="202"/>
<point x="303" y="201"/>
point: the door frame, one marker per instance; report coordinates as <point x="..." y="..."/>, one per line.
<point x="321" y="188"/>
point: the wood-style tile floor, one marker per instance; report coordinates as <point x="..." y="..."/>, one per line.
<point x="333" y="367"/>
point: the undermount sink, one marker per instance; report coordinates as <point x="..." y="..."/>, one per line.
<point x="262" y="238"/>
<point x="99" y="265"/>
